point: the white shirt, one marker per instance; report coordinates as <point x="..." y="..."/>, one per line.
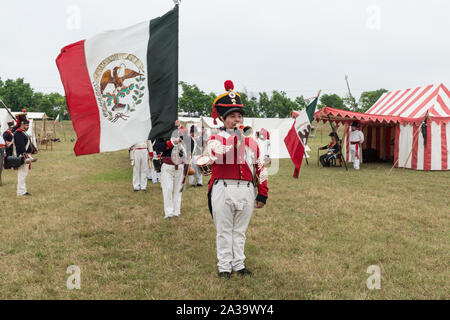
<point x="356" y="136"/>
<point x="143" y="145"/>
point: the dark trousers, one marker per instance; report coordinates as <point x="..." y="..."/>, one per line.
<point x="325" y="160"/>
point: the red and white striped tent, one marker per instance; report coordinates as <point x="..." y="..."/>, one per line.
<point x="392" y="127"/>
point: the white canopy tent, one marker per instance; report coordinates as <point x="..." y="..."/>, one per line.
<point x="5" y="117"/>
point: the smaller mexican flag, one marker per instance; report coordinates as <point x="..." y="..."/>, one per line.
<point x="296" y="138"/>
<point x="59" y="118"/>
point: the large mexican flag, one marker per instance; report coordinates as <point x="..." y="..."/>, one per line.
<point x="122" y="86"/>
<point x="297" y="136"/>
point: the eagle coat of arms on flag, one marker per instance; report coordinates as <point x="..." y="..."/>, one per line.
<point x="119" y="85"/>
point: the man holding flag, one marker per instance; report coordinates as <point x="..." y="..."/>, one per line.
<point x="297" y="136"/>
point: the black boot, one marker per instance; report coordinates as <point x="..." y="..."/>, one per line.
<point x="244" y="272"/>
<point x="226" y="275"/>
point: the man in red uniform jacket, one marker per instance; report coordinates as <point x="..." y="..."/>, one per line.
<point x="238" y="182"/>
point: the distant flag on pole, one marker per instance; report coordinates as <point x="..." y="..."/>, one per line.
<point x="59" y="118"/>
<point x="122" y="86"/>
<point x="295" y="140"/>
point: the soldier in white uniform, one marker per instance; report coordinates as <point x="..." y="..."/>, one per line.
<point x="22" y="148"/>
<point x="173" y="151"/>
<point x="264" y="144"/>
<point x="139" y="155"/>
<point x="356" y="138"/>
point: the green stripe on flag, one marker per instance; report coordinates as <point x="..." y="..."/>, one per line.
<point x="162" y="62"/>
<point x="311" y="108"/>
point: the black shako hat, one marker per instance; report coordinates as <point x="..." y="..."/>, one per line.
<point x="226" y="103"/>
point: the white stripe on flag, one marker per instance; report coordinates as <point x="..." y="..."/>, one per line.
<point x="118" y="49"/>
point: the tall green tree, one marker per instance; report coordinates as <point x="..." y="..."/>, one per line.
<point x="332" y="101"/>
<point x="193" y="99"/>
<point x="17" y="94"/>
<point x="368" y="99"/>
<point x="301" y="102"/>
<point x="251" y="105"/>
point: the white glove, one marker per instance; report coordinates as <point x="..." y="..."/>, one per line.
<point x="132" y="163"/>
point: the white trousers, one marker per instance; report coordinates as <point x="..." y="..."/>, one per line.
<point x="153" y="175"/>
<point x="197" y="177"/>
<point x="232" y="207"/>
<point x="355" y="160"/>
<point x="140" y="169"/>
<point x="22" y="173"/>
<point x="171" y="182"/>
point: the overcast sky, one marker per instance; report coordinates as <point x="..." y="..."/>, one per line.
<point x="299" y="46"/>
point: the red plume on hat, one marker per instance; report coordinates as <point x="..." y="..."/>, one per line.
<point x="229" y="85"/>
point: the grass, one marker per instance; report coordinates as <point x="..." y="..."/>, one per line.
<point x="315" y="238"/>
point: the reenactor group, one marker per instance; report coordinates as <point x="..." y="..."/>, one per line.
<point x="232" y="159"/>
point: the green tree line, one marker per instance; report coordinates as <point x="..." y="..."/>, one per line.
<point x="18" y="95"/>
<point x="274" y="105"/>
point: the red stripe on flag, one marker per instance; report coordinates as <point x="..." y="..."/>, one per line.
<point x="295" y="148"/>
<point x="80" y="97"/>
<point x="415" y="147"/>
<point x="416" y="98"/>
<point x="397" y="143"/>
<point x="427" y="157"/>
<point x="444" y="151"/>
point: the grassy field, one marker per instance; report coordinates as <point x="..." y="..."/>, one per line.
<point x="315" y="238"/>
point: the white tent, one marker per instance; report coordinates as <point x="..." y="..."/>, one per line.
<point x="33" y="115"/>
<point x="4" y="119"/>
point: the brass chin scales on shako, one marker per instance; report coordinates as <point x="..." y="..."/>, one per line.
<point x="238" y="181"/>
